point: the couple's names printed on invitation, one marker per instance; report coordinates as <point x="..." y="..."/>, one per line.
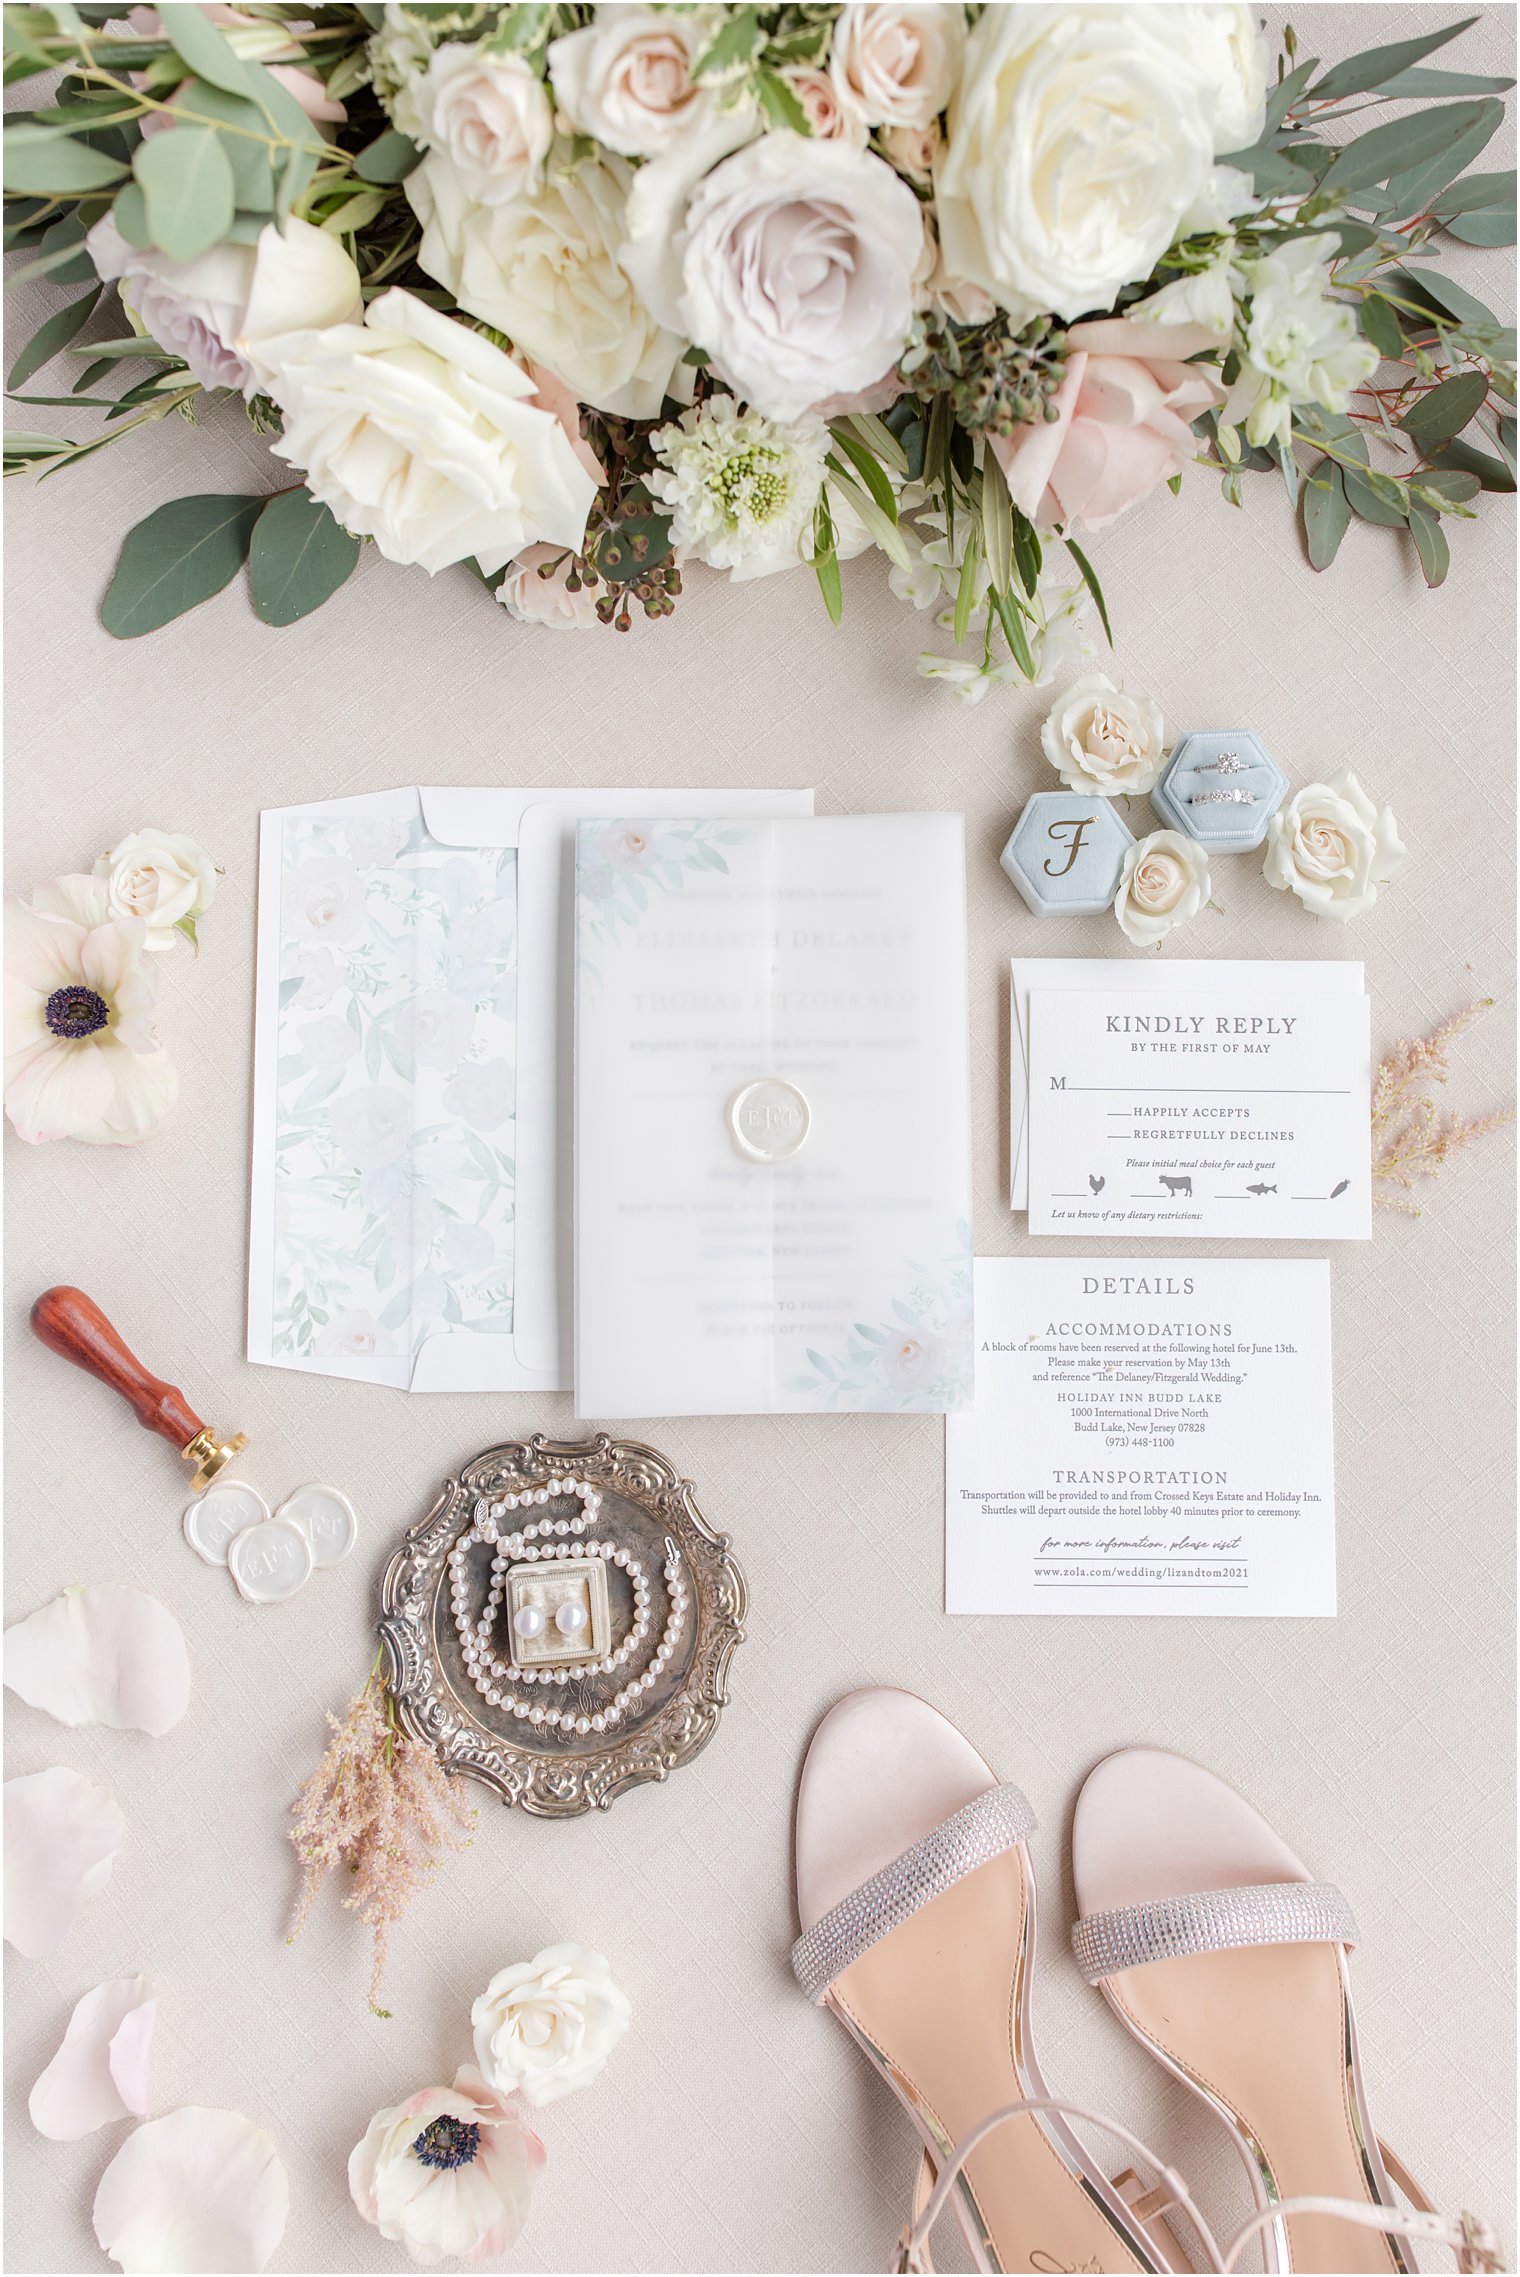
<point x="772" y="1117"/>
<point x="1174" y="1113"/>
<point x="1147" y="1438"/>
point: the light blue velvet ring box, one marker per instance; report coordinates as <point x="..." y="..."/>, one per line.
<point x="1066" y="853"/>
<point x="1221" y="786"/>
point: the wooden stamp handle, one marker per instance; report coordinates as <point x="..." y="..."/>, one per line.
<point x="72" y="1325"/>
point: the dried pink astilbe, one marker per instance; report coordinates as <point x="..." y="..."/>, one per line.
<point x="380" y="1805"/>
<point x="1411" y="1136"/>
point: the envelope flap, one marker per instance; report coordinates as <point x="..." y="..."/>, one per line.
<point x="474" y="817"/>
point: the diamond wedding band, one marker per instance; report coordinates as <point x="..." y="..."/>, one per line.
<point x="1235" y="797"/>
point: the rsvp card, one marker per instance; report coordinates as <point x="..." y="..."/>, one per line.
<point x="1149" y="1436"/>
<point x="1172" y="1111"/>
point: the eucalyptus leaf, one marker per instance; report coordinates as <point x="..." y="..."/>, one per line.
<point x="298" y="558"/>
<point x="180" y="555"/>
<point x="1412" y="86"/>
<point x="1366" y="502"/>
<point x="55" y="165"/>
<point x="51" y="336"/>
<point x="1492" y="473"/>
<point x="389" y="158"/>
<point x="1400" y="144"/>
<point x="1412" y="192"/>
<point x="1431" y="288"/>
<point x="1430" y="545"/>
<point x="1285" y="94"/>
<point x="245" y="144"/>
<point x="1374" y="66"/>
<point x="1477" y="190"/>
<point x="1434" y="418"/>
<point x="1495" y="225"/>
<point x="130" y="214"/>
<point x="197" y="42"/>
<point x="1327" y="513"/>
<point x="185" y="177"/>
<point x="1453" y="486"/>
<point x="1381" y="324"/>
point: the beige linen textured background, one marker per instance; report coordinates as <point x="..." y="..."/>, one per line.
<point x="736" y="2129"/>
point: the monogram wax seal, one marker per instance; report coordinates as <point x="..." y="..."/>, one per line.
<point x="327" y="1519"/>
<point x="214" y="1519"/>
<point x="270" y="1561"/>
<point x="768" y="1120"/>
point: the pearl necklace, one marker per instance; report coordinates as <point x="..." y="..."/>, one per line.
<point x="547" y="1540"/>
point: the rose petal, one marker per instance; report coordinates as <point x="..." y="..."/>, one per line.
<point x="62" y="1833"/>
<point x="197" y="2190"/>
<point x="100" y="2072"/>
<point x="103" y="1654"/>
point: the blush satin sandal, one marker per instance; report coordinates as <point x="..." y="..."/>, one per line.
<point x="1223" y="1957"/>
<point x="916" y="1899"/>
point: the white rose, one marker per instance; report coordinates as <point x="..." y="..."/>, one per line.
<point x="1165" y="881"/>
<point x="1226" y="51"/>
<point x="1333" y="847"/>
<point x="535" y="593"/>
<point x="895" y="66"/>
<point x="421" y="435"/>
<point x="490" y="113"/>
<point x="626" y="79"/>
<point x="1103" y="739"/>
<point x="545" y="2027"/>
<point x="829" y="117"/>
<point x="166" y="881"/>
<point x="215" y="311"/>
<point x="1074" y="148"/>
<point x="544" y="270"/>
<point x="793" y="267"/>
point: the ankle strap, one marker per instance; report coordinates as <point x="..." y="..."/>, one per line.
<point x="1473" y="2245"/>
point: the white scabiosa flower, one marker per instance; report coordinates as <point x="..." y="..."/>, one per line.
<point x="742" y="488"/>
<point x="1297" y="344"/>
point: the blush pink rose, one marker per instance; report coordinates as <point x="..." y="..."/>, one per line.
<point x="1123" y="424"/>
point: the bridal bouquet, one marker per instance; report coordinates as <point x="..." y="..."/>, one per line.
<point x="573" y="296"/>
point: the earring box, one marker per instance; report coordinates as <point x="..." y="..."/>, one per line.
<point x="1066" y="853"/>
<point x="1221" y="786"/>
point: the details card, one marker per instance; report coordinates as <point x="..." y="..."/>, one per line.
<point x="1175" y="1112"/>
<point x="1149" y="1436"/>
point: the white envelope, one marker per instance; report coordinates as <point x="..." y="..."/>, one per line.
<point x="513" y="1344"/>
<point x="1123" y="974"/>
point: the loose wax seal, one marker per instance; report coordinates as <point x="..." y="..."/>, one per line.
<point x="270" y="1561"/>
<point x="327" y="1519"/>
<point x="215" y="1519"/>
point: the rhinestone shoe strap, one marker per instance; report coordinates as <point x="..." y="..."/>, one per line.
<point x="1212" y="1921"/>
<point x="987" y="1826"/>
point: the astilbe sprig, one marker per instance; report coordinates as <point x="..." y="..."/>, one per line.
<point x="381" y="1806"/>
<point x="1412" y="1137"/>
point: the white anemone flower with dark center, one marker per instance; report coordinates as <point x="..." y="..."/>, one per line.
<point x="82" y="1055"/>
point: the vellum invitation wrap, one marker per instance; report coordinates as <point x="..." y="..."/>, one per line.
<point x="772" y="1122"/>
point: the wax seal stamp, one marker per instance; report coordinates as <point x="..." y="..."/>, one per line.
<point x="559" y="1625"/>
<point x="216" y="1518"/>
<point x="270" y="1561"/>
<point x="768" y="1120"/>
<point x="327" y="1519"/>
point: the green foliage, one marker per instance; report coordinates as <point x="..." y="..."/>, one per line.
<point x="298" y="558"/>
<point x="180" y="555"/>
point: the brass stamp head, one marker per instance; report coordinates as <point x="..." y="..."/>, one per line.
<point x="210" y="1455"/>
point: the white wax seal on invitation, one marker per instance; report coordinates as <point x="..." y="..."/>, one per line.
<point x="270" y="1561"/>
<point x="768" y="1120"/>
<point x="327" y="1519"/>
<point x="215" y="1519"/>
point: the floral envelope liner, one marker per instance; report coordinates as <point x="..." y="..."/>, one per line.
<point x="395" y="1089"/>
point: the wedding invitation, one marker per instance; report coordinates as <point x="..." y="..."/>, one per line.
<point x="1170" y="1111"/>
<point x="1149" y="1436"/>
<point x="772" y="1126"/>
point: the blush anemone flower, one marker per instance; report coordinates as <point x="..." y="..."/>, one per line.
<point x="449" y="2173"/>
<point x="82" y="1056"/>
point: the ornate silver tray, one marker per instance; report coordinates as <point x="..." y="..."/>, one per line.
<point x="556" y="1773"/>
